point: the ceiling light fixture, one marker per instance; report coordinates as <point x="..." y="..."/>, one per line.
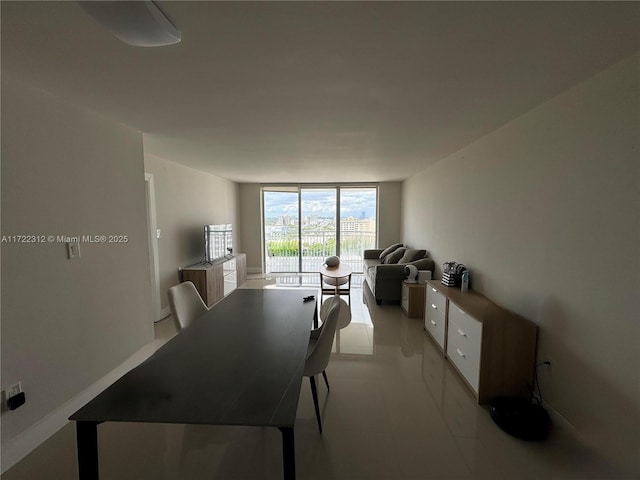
<point x="137" y="23"/>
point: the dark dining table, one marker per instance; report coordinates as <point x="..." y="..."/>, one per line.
<point x="241" y="363"/>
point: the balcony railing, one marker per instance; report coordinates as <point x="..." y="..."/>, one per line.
<point x="283" y="251"/>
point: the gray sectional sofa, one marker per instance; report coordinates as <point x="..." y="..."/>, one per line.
<point x="384" y="270"/>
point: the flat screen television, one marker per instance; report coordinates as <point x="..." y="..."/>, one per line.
<point x="218" y="241"/>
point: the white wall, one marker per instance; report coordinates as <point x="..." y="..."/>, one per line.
<point x="186" y="201"/>
<point x="67" y="323"/>
<point x="389" y="214"/>
<point x="251" y="222"/>
<point x="389" y="219"/>
<point x="544" y="212"/>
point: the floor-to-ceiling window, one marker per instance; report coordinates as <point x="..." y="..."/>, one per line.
<point x="358" y="224"/>
<point x="281" y="228"/>
<point x="319" y="228"/>
<point x="303" y="225"/>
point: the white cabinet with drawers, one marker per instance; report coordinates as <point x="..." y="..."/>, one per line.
<point x="463" y="344"/>
<point x="435" y="314"/>
<point x="492" y="349"/>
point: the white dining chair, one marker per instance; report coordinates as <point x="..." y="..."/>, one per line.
<point x="186" y="304"/>
<point x="320" y="343"/>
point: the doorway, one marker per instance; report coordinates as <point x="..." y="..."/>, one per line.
<point x="152" y="238"/>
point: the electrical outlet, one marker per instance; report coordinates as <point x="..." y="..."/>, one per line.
<point x="13" y="390"/>
<point x="10" y="392"/>
<point x="73" y="250"/>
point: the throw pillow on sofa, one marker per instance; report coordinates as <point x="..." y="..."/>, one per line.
<point x="411" y="255"/>
<point x="393" y="257"/>
<point x="389" y="250"/>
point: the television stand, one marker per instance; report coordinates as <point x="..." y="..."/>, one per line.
<point x="218" y="278"/>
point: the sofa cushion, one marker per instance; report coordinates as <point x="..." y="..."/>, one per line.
<point x="425" y="264"/>
<point x="389" y="250"/>
<point x="393" y="257"/>
<point x="369" y="268"/>
<point x="411" y="255"/>
<point x="370" y="263"/>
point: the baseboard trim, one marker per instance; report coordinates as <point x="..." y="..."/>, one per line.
<point x="164" y="313"/>
<point x="559" y="421"/>
<point x="253" y="270"/>
<point x="24" y="443"/>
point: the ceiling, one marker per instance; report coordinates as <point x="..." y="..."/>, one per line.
<point x="319" y="91"/>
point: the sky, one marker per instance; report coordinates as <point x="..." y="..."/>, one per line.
<point x="356" y="202"/>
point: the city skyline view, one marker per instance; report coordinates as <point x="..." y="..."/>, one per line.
<point x="301" y="227"/>
<point x="354" y="202"/>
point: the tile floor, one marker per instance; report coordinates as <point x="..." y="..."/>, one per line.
<point x="396" y="410"/>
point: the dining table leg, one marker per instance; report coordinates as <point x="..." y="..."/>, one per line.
<point x="87" y="440"/>
<point x="288" y="453"/>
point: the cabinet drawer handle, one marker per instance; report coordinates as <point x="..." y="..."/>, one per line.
<point x="462" y="333"/>
<point x="434" y="290"/>
<point x="460" y="353"/>
<point x="433" y="323"/>
<point x="432" y="306"/>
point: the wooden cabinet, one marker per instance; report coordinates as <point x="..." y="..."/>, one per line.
<point x="241" y="268"/>
<point x="230" y="276"/>
<point x="491" y="348"/>
<point x="207" y="279"/>
<point x="412" y="301"/>
<point x="217" y="279"/>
